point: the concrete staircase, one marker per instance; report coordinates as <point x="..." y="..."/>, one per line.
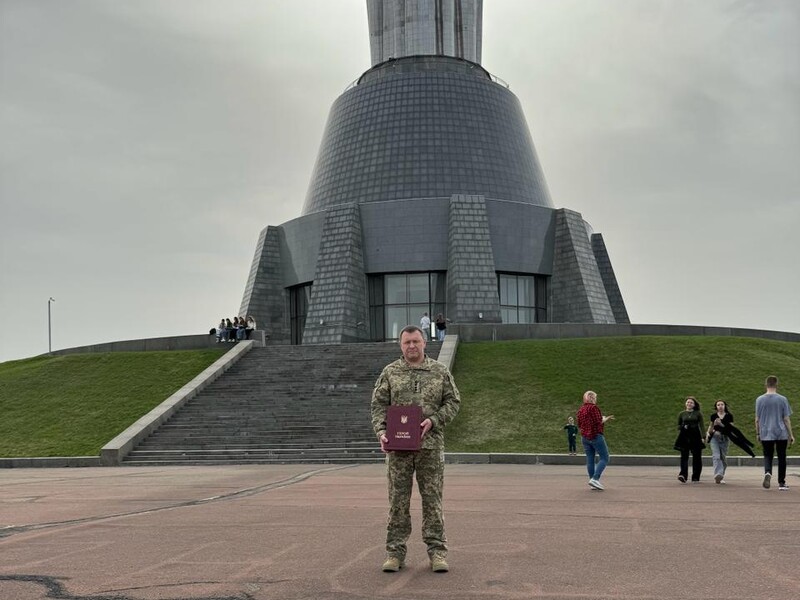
<point x="279" y="404"/>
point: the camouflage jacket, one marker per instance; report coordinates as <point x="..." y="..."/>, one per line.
<point x="430" y="385"/>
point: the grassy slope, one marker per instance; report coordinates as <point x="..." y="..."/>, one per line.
<point x="516" y="396"/>
<point x="72" y="405"/>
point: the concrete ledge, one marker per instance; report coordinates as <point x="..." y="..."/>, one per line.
<point x="179" y="342"/>
<point x="484" y="332"/>
<point x="50" y="462"/>
<point x="629" y="460"/>
<point x="455" y="458"/>
<point x="447" y="353"/>
<point x="114" y="451"/>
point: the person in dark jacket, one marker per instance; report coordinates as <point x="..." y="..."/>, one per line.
<point x="572" y="435"/>
<point x="715" y="436"/>
<point x="690" y="440"/>
<point x="441" y="327"/>
<point x="721" y="431"/>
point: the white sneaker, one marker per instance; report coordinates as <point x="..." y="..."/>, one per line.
<point x="766" y="481"/>
<point x="596" y="484"/>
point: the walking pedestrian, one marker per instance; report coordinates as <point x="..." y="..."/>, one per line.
<point x="719" y="441"/>
<point x="721" y="430"/>
<point x="591" y="424"/>
<point x="690" y="440"/>
<point x="774" y="429"/>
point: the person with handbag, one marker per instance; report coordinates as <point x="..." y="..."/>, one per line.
<point x="690" y="440"/>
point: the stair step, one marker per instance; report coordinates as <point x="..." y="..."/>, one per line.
<point x="255" y="452"/>
<point x="287" y="404"/>
<point x="258" y="461"/>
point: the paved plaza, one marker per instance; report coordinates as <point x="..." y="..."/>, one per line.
<point x="316" y="531"/>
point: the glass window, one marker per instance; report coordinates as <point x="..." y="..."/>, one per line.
<point x="502" y="289"/>
<point x="299" y="299"/>
<point x="415" y="313"/>
<point x="376" y="290"/>
<point x="508" y="290"/>
<point x="400" y="299"/>
<point x="396" y="319"/>
<point x="541" y="294"/>
<point x="418" y="287"/>
<point x="526" y="292"/>
<point x="523" y="298"/>
<point x="395" y="289"/>
<point x="376" y="320"/>
<point x="439" y="289"/>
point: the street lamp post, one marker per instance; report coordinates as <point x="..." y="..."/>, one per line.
<point x="49" y="335"/>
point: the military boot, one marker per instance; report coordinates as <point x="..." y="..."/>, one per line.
<point x="438" y="563"/>
<point x="392" y="564"/>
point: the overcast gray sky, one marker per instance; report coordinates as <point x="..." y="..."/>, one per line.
<point x="144" y="145"/>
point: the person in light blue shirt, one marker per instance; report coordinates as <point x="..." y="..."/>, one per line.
<point x="774" y="430"/>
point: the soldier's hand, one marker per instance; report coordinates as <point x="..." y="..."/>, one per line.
<point x="384" y="440"/>
<point x="425" y="426"/>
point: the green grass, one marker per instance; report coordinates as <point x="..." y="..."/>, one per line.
<point x="72" y="405"/>
<point x="516" y="396"/>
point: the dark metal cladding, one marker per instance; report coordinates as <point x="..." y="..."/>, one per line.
<point x="422" y="127"/>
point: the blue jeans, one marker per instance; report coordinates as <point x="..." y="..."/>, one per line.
<point x="598" y="447"/>
<point x="719" y="454"/>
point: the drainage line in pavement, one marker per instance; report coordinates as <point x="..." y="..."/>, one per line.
<point x="15" y="529"/>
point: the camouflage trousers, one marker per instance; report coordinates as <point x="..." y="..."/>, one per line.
<point x="429" y="467"/>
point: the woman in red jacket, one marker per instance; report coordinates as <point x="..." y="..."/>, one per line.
<point x="590" y="423"/>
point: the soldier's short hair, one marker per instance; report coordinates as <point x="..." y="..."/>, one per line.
<point x="410" y="329"/>
<point x="771" y="382"/>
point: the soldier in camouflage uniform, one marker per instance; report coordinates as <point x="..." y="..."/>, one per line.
<point x="416" y="379"/>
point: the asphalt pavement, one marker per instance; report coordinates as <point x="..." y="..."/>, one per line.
<point x="316" y="531"/>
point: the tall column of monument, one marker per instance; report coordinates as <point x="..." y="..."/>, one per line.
<point x="399" y="28"/>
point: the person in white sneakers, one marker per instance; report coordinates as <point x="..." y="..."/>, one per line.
<point x="425" y="325"/>
<point x="774" y="430"/>
<point x="590" y="423"/>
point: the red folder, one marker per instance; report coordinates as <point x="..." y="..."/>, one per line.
<point x="402" y="427"/>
